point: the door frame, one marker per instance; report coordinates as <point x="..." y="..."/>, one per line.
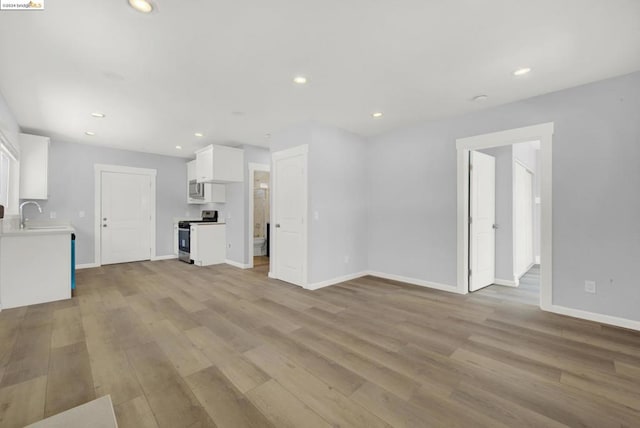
<point x="517" y="275"/>
<point x="541" y="132"/>
<point x="253" y="167"/>
<point x="97" y="234"/>
<point x="275" y="156"/>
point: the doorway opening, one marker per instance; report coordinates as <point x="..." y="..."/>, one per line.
<point x="505" y="186"/>
<point x="259" y="216"/>
<point x="537" y="207"/>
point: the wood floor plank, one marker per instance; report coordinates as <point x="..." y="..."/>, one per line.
<point x="70" y="382"/>
<point x="282" y="408"/>
<point x="225" y="404"/>
<point x="135" y="413"/>
<point x="22" y="403"/>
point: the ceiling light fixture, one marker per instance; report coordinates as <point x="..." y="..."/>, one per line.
<point x="98" y="115"/>
<point x="90" y="133"/>
<point x="179" y="147"/>
<point x="521" y="71"/>
<point x="199" y="134"/>
<point x="377" y="114"/>
<point x="480" y="97"/>
<point x="300" y="80"/>
<point x="141" y="5"/>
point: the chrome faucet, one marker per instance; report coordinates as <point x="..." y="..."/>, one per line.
<point x="22" y="211"/>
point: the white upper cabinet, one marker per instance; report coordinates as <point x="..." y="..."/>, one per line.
<point x="219" y="164"/>
<point x="34" y="167"/>
<point x="212" y="192"/>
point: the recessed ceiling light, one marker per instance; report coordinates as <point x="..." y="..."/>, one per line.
<point x="377" y="114"/>
<point x="199" y="134"/>
<point x="179" y="147"/>
<point x="300" y="80"/>
<point x="98" y="115"/>
<point x="141" y="5"/>
<point x="90" y="133"/>
<point x="521" y="71"/>
<point x="480" y="97"/>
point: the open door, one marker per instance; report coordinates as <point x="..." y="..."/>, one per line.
<point x="482" y="217"/>
<point x="289" y="214"/>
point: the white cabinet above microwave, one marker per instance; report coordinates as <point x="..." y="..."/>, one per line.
<point x="203" y="193"/>
<point x="219" y="164"/>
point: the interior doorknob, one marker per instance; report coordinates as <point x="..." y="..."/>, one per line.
<point x="495" y="226"/>
<point x="278" y="225"/>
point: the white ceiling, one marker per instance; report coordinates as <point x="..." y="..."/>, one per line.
<point x="225" y="67"/>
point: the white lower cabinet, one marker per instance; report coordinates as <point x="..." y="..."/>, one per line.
<point x="34" y="268"/>
<point x="208" y="243"/>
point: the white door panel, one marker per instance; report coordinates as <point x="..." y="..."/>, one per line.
<point x="482" y="207"/>
<point x="125" y="217"/>
<point x="523" y="196"/>
<point x="290" y="210"/>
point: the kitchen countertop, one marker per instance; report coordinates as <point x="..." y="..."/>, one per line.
<point x="36" y="229"/>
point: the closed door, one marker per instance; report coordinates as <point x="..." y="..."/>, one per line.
<point x="482" y="214"/>
<point x="290" y="211"/>
<point x="125" y="217"/>
<point x="523" y="224"/>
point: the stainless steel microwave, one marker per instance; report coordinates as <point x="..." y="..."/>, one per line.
<point x="196" y="190"/>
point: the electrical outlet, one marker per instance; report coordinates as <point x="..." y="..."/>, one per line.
<point x="316" y="215"/>
<point x="52" y="214"/>
<point x="590" y="287"/>
<point x="346" y="259"/>
<point x="81" y="214"/>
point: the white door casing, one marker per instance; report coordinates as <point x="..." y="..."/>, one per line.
<point x="289" y="226"/>
<point x="482" y="210"/>
<point x="125" y="197"/>
<point x="523" y="219"/>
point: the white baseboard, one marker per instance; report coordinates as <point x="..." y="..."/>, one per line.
<point x="506" y="282"/>
<point x="334" y="281"/>
<point x="270" y="275"/>
<point x="167" y="257"/>
<point x="592" y="316"/>
<point x="87" y="266"/>
<point x="237" y="264"/>
<point x="414" y="281"/>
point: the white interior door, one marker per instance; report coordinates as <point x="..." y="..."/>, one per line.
<point x="523" y="223"/>
<point x="290" y="212"/>
<point x="126" y="223"/>
<point x="482" y="216"/>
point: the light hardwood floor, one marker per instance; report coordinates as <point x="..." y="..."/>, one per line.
<point x="181" y="346"/>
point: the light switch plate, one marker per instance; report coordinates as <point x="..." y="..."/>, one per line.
<point x="52" y="214"/>
<point x="81" y="214"/>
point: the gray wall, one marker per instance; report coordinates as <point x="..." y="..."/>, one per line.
<point x="71" y="190"/>
<point x="596" y="204"/>
<point x="337" y="186"/>
<point x="238" y="207"/>
<point x="504" y="210"/>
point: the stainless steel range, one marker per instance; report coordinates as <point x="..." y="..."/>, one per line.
<point x="184" y="233"/>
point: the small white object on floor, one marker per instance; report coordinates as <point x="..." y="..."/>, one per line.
<point x="95" y="414"/>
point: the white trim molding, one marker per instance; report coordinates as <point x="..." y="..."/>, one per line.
<point x="87" y="266"/>
<point x="238" y="264"/>
<point x="592" y="316"/>
<point x="414" y="281"/>
<point x="506" y="282"/>
<point x="544" y="134"/>
<point x="334" y="281"/>
<point x="253" y="167"/>
<point x="97" y="232"/>
<point x="167" y="257"/>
